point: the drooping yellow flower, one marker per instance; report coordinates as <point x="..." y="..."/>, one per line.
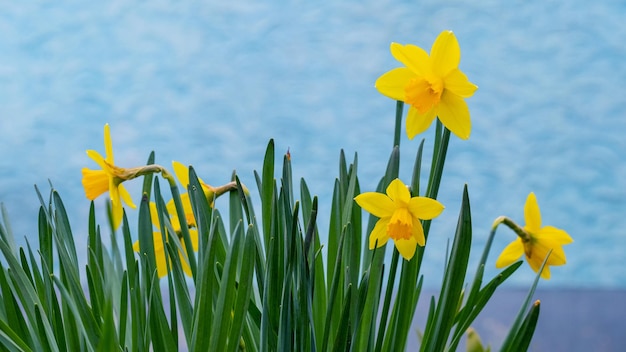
<point x="109" y="178"/>
<point x="431" y="85"/>
<point x="400" y="216"/>
<point x="159" y="251"/>
<point x="535" y="241"/>
<point x="182" y="174"/>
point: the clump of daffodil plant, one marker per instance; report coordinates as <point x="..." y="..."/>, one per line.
<point x="268" y="278"/>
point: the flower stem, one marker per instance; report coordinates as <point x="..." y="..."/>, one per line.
<point x="525" y="236"/>
<point x="439" y="158"/>
<point x="398" y="128"/>
<point x="182" y="218"/>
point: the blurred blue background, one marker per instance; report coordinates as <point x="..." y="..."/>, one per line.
<point x="209" y="83"/>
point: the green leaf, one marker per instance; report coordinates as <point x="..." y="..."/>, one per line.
<point x="244" y="291"/>
<point x="518" y="333"/>
<point x="439" y="328"/>
<point x="226" y="295"/>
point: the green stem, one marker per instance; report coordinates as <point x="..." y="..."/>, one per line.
<point x="398" y="128"/>
<point x="382" y="328"/>
<point x="438" y="163"/>
<point x="182" y="218"/>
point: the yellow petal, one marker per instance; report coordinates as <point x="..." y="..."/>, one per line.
<point x="116" y="207"/>
<point x="457" y="83"/>
<point x="159" y="254"/>
<point x="413" y="57"/>
<point x="193" y="235"/>
<point x="445" y="53"/>
<point x="154" y="215"/>
<point x="95" y="156"/>
<point x="126" y="196"/>
<point x="425" y="208"/>
<point x="418" y="232"/>
<point x="417" y="123"/>
<point x="108" y="146"/>
<point x="392" y="83"/>
<point x="542" y="246"/>
<point x="454" y="114"/>
<point x="95" y="182"/>
<point x="399" y="193"/>
<point x="406" y="247"/>
<point x="537" y="259"/>
<point x="379" y="233"/>
<point x="510" y="254"/>
<point x="558" y="235"/>
<point x="532" y="215"/>
<point x="376" y="204"/>
<point x="182" y="173"/>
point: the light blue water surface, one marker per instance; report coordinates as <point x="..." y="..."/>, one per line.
<point x="209" y="83"/>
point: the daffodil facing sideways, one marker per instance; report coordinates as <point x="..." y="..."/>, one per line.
<point x="182" y="174"/>
<point x="110" y="178"/>
<point x="534" y="241"/>
<point x="432" y="85"/>
<point x="399" y="217"/>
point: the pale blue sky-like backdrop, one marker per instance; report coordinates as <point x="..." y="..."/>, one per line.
<point x="209" y="83"/>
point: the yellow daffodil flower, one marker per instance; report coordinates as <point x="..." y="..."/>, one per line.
<point x="400" y="216"/>
<point x="159" y="248"/>
<point x="431" y="85"/>
<point x="534" y="241"/>
<point x="109" y="178"/>
<point x="159" y="252"/>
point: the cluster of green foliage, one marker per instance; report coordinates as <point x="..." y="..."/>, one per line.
<point x="259" y="283"/>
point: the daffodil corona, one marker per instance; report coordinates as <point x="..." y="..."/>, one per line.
<point x="431" y="85"/>
<point x="534" y="241"/>
<point x="400" y="216"/>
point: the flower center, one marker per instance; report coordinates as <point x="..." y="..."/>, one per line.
<point x="401" y="224"/>
<point x="423" y="93"/>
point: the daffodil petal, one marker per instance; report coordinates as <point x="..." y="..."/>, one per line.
<point x="126" y="196"/>
<point x="412" y="56"/>
<point x="159" y="254"/>
<point x="510" y="254"/>
<point x="398" y="192"/>
<point x="445" y="53"/>
<point x="406" y="247"/>
<point x="116" y="207"/>
<point x="95" y="156"/>
<point x="418" y="232"/>
<point x="532" y="214"/>
<point x="392" y="83"/>
<point x="425" y="208"/>
<point x="454" y="114"/>
<point x="154" y="215"/>
<point x="535" y="263"/>
<point x="379" y="233"/>
<point x="542" y="247"/>
<point x="458" y="83"/>
<point x="417" y="123"/>
<point x="108" y="145"/>
<point x="376" y="204"/>
<point x="558" y="235"/>
<point x="95" y="182"/>
<point x="193" y="235"/>
<point x="182" y="173"/>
